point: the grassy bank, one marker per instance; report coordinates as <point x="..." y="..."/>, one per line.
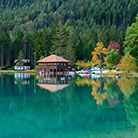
<point x="115" y="73"/>
<point x="13" y="71"/>
<point x="109" y="73"/>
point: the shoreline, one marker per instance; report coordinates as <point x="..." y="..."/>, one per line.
<point x="14" y="71"/>
<point x="105" y="74"/>
<point x="119" y="74"/>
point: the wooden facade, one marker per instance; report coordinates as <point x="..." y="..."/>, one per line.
<point x="54" y="64"/>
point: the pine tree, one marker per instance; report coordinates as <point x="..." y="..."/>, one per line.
<point x="62" y="44"/>
<point x="59" y="41"/>
<point x="20" y="58"/>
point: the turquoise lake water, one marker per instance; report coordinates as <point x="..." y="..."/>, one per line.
<point x="68" y="107"/>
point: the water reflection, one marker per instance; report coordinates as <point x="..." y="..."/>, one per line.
<point x="99" y="91"/>
<point x="22" y="78"/>
<point x="112" y="91"/>
<point x="127" y="86"/>
<point x="54" y="83"/>
<point x="29" y="111"/>
<point x="109" y="88"/>
<point x="131" y="109"/>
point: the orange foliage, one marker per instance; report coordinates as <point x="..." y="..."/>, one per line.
<point x="99" y="51"/>
<point x="98" y="96"/>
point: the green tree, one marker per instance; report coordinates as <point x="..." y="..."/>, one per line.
<point x="42" y="42"/>
<point x="59" y="40"/>
<point x="61" y="43"/>
<point x="5" y="48"/>
<point x="20" y="58"/>
<point x="18" y="44"/>
<point x="131" y="39"/>
<point x="112" y="58"/>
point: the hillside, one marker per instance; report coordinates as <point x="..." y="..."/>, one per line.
<point x="83" y="14"/>
<point x="88" y="21"/>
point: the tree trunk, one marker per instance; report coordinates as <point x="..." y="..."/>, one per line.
<point x="2" y="56"/>
<point x="100" y="63"/>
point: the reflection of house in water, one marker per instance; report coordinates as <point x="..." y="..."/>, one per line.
<point x="25" y="83"/>
<point x="23" y="77"/>
<point x="54" y="83"/>
<point x="53" y="87"/>
<point x="92" y="76"/>
<point x="17" y="84"/>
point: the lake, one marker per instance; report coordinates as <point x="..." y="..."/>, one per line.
<point x="34" y="106"/>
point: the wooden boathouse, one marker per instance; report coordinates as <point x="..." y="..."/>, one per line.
<point x="54" y="65"/>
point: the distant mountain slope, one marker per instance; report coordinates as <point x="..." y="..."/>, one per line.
<point x="30" y="15"/>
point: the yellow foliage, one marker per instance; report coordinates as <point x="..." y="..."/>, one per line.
<point x="82" y="64"/>
<point x="100" y="51"/>
<point x="127" y="86"/>
<point x="98" y="96"/>
<point x="84" y="81"/>
<point x="128" y="63"/>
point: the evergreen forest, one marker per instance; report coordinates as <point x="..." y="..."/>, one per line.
<point x="68" y="28"/>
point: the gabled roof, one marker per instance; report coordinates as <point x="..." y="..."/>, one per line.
<point x="52" y="58"/>
<point x="52" y="87"/>
<point x="23" y="60"/>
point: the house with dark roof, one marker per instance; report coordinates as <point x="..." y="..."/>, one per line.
<point x="54" y="64"/>
<point x="24" y="64"/>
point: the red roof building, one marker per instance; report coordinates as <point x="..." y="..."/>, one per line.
<point x="53" y="64"/>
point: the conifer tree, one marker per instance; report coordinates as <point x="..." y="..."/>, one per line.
<point x="20" y="58"/>
<point x="62" y="44"/>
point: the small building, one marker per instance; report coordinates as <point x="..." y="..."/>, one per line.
<point x="54" y="65"/>
<point x="24" y="64"/>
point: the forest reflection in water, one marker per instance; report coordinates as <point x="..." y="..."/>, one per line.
<point x="105" y="103"/>
<point x="115" y="91"/>
<point x="110" y="88"/>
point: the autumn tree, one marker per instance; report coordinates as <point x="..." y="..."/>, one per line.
<point x="113" y="54"/>
<point x="81" y="64"/>
<point x="98" y="56"/>
<point x="113" y="45"/>
<point x="128" y="63"/>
